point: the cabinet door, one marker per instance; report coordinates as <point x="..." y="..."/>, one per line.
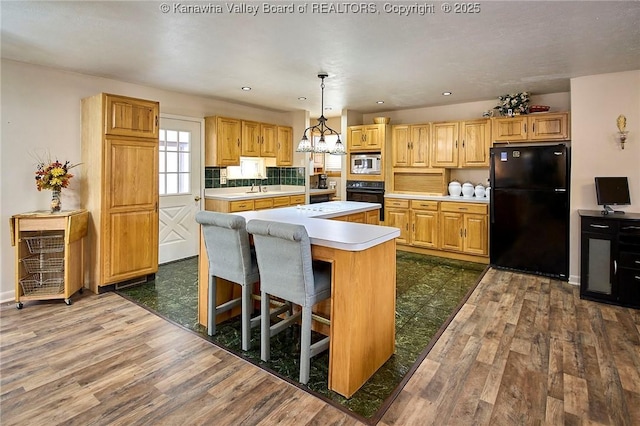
<point x="451" y="231"/>
<point x="373" y="137"/>
<point x="510" y="129"/>
<point x="400" y="143"/>
<point x="420" y="145"/>
<point x="549" y="127"/>
<point x="355" y="138"/>
<point x="475" y="234"/>
<point x="373" y="217"/>
<point x="250" y="141"/>
<point x="398" y="219"/>
<point x="424" y="228"/>
<point x="597" y="278"/>
<point x="130" y="220"/>
<point x="476" y="140"/>
<point x="284" y="146"/>
<point x="131" y="117"/>
<point x="268" y="140"/>
<point x="445" y="145"/>
<point x="222" y="141"/>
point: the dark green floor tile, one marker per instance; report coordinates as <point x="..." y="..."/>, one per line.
<point x="428" y="289"/>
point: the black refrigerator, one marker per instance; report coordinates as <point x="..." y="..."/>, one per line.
<point x="529" y="209"/>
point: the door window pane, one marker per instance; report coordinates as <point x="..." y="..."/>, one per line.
<point x="174" y="162"/>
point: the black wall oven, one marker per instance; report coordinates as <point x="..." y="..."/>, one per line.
<point x="366" y="191"/>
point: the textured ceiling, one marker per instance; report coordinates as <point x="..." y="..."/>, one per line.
<point x="371" y="54"/>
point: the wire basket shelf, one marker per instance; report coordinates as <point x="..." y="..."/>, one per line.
<point x="36" y="285"/>
<point x="45" y="244"/>
<point x="36" y="264"/>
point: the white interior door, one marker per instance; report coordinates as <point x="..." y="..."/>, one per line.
<point x="180" y="187"/>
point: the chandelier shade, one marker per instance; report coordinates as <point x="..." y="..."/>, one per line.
<point x="308" y="145"/>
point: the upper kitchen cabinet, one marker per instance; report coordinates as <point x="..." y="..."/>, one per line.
<point x="120" y="189"/>
<point x="534" y="127"/>
<point x="410" y="145"/>
<point x="222" y="141"/>
<point x="444" y="142"/>
<point x="476" y="141"/>
<point x="125" y="116"/>
<point x="258" y="139"/>
<point x="370" y="137"/>
<point x="284" y="146"/>
<point x="461" y="143"/>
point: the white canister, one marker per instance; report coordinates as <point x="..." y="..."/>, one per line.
<point x="455" y="189"/>
<point x="487" y="192"/>
<point x="479" y="191"/>
<point x="467" y="190"/>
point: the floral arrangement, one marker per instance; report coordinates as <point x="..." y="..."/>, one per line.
<point x="54" y="175"/>
<point x="518" y="103"/>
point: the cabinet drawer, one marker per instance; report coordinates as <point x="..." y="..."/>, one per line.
<point x="424" y="205"/>
<point x="297" y="199"/>
<point x="240" y="206"/>
<point x="464" y="207"/>
<point x="392" y="202"/>
<point x="630" y="260"/>
<point x="280" y="202"/>
<point x="597" y="225"/>
<point x="263" y="203"/>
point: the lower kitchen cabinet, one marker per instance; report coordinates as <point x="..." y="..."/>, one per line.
<point x="424" y="223"/>
<point x="465" y="227"/>
<point x="453" y="229"/>
<point x="610" y="258"/>
<point x="253" y="204"/>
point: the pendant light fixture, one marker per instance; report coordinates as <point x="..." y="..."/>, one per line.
<point x="307" y="145"/>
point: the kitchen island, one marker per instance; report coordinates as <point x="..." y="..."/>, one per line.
<point x="363" y="288"/>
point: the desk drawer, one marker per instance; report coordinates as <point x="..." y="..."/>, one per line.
<point x="630" y="260"/>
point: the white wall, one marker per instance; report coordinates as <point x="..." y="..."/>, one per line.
<point x="597" y="101"/>
<point x="41" y="112"/>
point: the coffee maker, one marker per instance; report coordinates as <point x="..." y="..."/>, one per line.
<point x="322" y="181"/>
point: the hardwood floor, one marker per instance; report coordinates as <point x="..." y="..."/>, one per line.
<point x="522" y="350"/>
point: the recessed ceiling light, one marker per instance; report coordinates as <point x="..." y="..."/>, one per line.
<point x="302" y="98"/>
<point x="246" y="88"/>
<point x="446" y="93"/>
<point x="379" y="102"/>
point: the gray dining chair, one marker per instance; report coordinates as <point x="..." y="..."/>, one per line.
<point x="231" y="258"/>
<point x="288" y="272"/>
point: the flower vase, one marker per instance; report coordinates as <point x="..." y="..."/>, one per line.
<point x="56" y="205"/>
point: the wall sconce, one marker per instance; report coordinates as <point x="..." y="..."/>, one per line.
<point x="622" y="129"/>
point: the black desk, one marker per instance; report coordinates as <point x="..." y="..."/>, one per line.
<point x="610" y="257"/>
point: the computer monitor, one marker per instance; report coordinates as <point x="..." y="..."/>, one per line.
<point x="612" y="191"/>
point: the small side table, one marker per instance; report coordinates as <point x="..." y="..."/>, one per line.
<point x="49" y="254"/>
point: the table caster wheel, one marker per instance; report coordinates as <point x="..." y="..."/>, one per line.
<point x="19" y="305"/>
<point x="67" y="301"/>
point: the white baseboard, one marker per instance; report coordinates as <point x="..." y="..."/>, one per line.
<point x="574" y="280"/>
<point x="7" y="296"/>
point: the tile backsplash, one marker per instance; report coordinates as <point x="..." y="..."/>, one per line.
<point x="275" y="176"/>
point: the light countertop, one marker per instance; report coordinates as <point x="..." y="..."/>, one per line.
<point x="337" y="234"/>
<point x="474" y="199"/>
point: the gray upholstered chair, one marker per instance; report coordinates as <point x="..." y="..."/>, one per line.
<point x="230" y="258"/>
<point x="288" y="272"/>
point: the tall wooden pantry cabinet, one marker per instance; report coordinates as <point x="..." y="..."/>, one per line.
<point x="120" y="188"/>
